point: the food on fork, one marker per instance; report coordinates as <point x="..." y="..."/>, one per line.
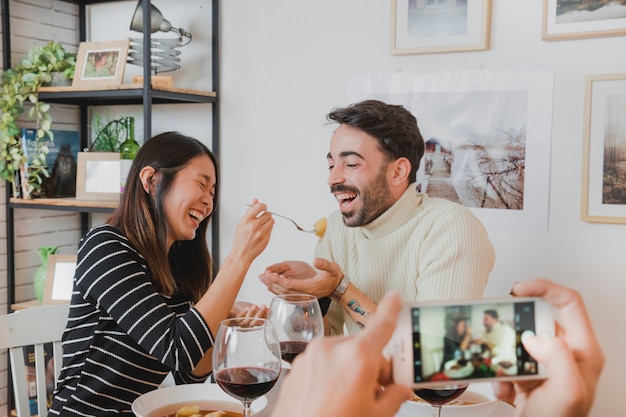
<point x="320" y="227"/>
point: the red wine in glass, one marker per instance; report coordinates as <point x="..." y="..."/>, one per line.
<point x="289" y="349"/>
<point x="246" y="359"/>
<point x="246" y="383"/>
<point x="438" y="396"/>
<point x="298" y="320"/>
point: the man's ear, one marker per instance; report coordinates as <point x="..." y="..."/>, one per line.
<point x="401" y="169"/>
<point x="145" y="176"/>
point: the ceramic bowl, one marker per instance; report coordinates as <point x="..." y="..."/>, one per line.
<point x="165" y="401"/>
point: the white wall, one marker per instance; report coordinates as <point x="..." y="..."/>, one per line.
<point x="285" y="64"/>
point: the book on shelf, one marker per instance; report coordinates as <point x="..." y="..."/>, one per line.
<point x="61" y="162"/>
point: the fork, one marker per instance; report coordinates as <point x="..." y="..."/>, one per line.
<point x="300" y="228"/>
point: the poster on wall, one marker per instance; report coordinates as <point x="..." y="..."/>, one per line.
<point x="487" y="134"/>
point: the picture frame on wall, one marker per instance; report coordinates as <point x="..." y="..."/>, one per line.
<point x="426" y="27"/>
<point x="563" y="20"/>
<point x="100" y="64"/>
<point x="604" y="149"/>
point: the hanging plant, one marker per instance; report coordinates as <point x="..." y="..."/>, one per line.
<point x="20" y="90"/>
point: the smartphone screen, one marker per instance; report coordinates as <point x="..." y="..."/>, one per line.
<point x="469" y="341"/>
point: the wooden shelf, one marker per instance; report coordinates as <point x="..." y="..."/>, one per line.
<point x="65" y="204"/>
<point x="26" y="304"/>
<point x="30" y="304"/>
<point x="131" y="93"/>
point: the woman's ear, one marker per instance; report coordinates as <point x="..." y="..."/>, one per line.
<point x="145" y="176"/>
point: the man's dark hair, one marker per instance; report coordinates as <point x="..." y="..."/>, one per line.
<point x="393" y="126"/>
<point x="492" y="313"/>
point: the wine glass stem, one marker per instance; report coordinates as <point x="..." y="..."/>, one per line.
<point x="246" y="409"/>
<point x="436" y="411"/>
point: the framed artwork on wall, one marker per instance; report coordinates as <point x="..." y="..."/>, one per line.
<point x="604" y="149"/>
<point x="100" y="64"/>
<point x="426" y="26"/>
<point x="564" y="20"/>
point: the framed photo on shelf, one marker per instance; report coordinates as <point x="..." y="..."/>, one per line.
<point x="604" y="149"/>
<point x="59" y="279"/>
<point x="564" y="20"/>
<point x="98" y="176"/>
<point x="419" y="27"/>
<point x="100" y="64"/>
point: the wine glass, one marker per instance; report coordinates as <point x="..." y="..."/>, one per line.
<point x="437" y="396"/>
<point x="298" y="320"/>
<point x="246" y="359"/>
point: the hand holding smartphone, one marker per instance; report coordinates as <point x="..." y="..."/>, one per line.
<point x="437" y="343"/>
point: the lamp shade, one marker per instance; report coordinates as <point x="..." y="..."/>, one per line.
<point x="157" y="22"/>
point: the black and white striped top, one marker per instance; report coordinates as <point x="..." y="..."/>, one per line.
<point x="122" y="337"/>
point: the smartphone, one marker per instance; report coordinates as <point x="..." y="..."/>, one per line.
<point x="464" y="341"/>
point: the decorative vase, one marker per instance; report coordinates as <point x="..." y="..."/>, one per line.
<point x="40" y="275"/>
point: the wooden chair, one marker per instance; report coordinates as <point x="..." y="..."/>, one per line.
<point x="35" y="327"/>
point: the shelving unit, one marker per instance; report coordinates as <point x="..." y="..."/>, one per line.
<point x="125" y="94"/>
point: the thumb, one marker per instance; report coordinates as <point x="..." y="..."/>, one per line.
<point x="555" y="355"/>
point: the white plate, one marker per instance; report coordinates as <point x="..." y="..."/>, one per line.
<point x="208" y="396"/>
<point x="461" y="372"/>
<point x="511" y="370"/>
<point x="483" y="407"/>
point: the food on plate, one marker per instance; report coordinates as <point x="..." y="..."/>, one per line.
<point x="460" y="364"/>
<point x="320" y="227"/>
<point x="505" y="364"/>
<point x="195" y="411"/>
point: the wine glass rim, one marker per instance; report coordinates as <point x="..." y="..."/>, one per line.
<point x="295" y="298"/>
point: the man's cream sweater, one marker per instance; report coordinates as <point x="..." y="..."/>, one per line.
<point x="424" y="248"/>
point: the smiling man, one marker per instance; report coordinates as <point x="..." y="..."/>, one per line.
<point x="385" y="235"/>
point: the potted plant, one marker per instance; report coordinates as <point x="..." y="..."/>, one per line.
<point x="20" y="90"/>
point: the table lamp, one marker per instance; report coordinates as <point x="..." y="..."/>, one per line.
<point x="163" y="53"/>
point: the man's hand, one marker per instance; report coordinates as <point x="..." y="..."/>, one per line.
<point x="289" y="277"/>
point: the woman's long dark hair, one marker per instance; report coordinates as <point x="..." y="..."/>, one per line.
<point x="188" y="268"/>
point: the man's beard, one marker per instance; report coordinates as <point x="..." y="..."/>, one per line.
<point x="375" y="200"/>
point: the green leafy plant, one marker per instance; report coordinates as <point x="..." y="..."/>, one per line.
<point x="109" y="134"/>
<point x="20" y="91"/>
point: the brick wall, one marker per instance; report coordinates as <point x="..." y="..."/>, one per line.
<point x="35" y="22"/>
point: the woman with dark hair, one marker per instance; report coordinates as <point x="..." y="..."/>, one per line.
<point x="144" y="300"/>
<point x="457" y="340"/>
